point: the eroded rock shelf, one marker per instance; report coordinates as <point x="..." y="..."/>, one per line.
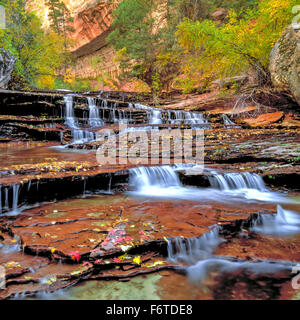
<point x="67" y="219"/>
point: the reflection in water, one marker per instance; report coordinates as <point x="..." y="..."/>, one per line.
<point x="141" y="288"/>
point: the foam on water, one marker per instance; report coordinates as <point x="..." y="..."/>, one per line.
<point x="284" y="223"/>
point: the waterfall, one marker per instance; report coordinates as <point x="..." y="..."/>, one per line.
<point x="94" y="118"/>
<point x="285" y="222"/>
<point x="233" y="181"/>
<point x="14" y="196"/>
<point x="155" y="117"/>
<point x="81" y="136"/>
<point x="70" y="119"/>
<point x="145" y="177"/>
<point x="194" y="118"/>
<point x="163" y="182"/>
<point x="228" y="122"/>
<point x="16" y="188"/>
<point x="194" y="249"/>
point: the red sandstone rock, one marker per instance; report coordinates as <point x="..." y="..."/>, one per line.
<point x="265" y="119"/>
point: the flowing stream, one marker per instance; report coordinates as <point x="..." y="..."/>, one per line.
<point x="195" y="255"/>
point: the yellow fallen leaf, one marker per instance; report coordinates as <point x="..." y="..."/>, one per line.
<point x="53" y="250"/>
<point x="137" y="260"/>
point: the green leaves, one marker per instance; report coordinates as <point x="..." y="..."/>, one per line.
<point x="242" y="43"/>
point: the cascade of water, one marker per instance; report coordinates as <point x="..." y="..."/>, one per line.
<point x="16" y="189"/>
<point x="232" y="181"/>
<point x="70" y="119"/>
<point x="81" y="136"/>
<point x="164" y="176"/>
<point x="285" y="222"/>
<point x="94" y="118"/>
<point x="193" y="249"/>
<point x="228" y="122"/>
<point x="61" y="136"/>
<point x="155" y="117"/>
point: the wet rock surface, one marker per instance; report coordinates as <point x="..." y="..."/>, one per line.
<point x="67" y="219"/>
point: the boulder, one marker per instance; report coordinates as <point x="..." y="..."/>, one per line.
<point x="265" y="119"/>
<point x="219" y="15"/>
<point x="7" y="63"/>
<point x="285" y="62"/>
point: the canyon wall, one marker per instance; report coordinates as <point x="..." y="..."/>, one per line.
<point x="92" y="22"/>
<point x="93" y="58"/>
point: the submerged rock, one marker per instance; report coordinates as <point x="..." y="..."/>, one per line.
<point x="285" y="62"/>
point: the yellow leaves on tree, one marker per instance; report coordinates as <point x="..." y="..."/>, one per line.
<point x="243" y="43"/>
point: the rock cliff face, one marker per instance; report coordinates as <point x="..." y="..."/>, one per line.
<point x="92" y="22"/>
<point x="92" y="25"/>
<point x="285" y="62"/>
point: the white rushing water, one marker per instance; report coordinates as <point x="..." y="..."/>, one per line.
<point x="191" y="250"/>
<point x="10" y="201"/>
<point x="163" y="182"/>
<point x="284" y="223"/>
<point x="235" y="181"/>
<point x="228" y="122"/>
<point x="94" y="117"/>
<point x="158" y="116"/>
<point x="198" y="272"/>
<point x="196" y="257"/>
<point x="70" y="119"/>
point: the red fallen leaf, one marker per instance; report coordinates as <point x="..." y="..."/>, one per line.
<point x="112" y="231"/>
<point x="127" y="239"/>
<point x="75" y="255"/>
<point x="104" y="243"/>
<point x="142" y="232"/>
<point x="117" y="260"/>
<point x="145" y="237"/>
<point x="122" y="239"/>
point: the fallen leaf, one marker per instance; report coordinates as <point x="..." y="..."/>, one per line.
<point x="137" y="260"/>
